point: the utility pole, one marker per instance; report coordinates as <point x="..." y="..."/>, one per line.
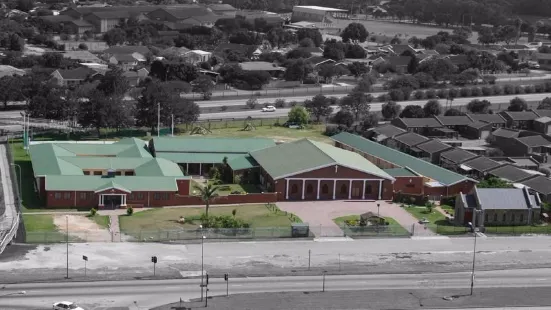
<point x="172" y="124"/>
<point x="67" y="242"/>
<point x="158" y="119"/>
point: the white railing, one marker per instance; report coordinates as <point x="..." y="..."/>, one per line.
<point x="12" y="233"/>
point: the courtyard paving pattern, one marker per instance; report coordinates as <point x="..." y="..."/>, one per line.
<point x="320" y="214"/>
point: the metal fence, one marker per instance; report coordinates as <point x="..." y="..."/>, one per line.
<point x="297" y="91"/>
<point x="376" y="231"/>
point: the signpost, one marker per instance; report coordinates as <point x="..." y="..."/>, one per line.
<point x="226" y="278"/>
<point x="154" y="261"/>
<point x="85" y="259"/>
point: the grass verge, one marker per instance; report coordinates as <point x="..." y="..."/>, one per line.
<point x="101" y="220"/>
<point x="40" y="228"/>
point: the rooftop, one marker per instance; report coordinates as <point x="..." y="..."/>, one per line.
<point x="306" y="155"/>
<point x="80" y="73"/>
<point x="520" y="115"/>
<point x="410" y="138"/>
<point x="481" y="164"/>
<point x="543" y="119"/>
<point x="454" y="120"/>
<point x="510" y="173"/>
<point x="535" y="141"/>
<point x="490" y="118"/>
<point x="433" y="146"/>
<point x="419" y="122"/>
<point x="398" y="158"/>
<point x="503" y="199"/>
<point x="400" y="172"/>
<point x="457" y="155"/>
<point x="540" y="184"/>
<point x="387" y="130"/>
<point x="127" y="49"/>
<point x="84" y="56"/>
<point x="260" y="66"/>
<point x="506" y="133"/>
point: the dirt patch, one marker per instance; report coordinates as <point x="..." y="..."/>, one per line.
<point x="82" y="228"/>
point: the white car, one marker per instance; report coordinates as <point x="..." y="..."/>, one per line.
<point x="269" y="108"/>
<point x="66" y="305"/>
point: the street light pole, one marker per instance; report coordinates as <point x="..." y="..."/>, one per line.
<point x="202" y="261"/>
<point x="20" y="184"/>
<point x="158" y="119"/>
<point x="378" y="206"/>
<point x="67" y="242"/>
<point x="474" y="260"/>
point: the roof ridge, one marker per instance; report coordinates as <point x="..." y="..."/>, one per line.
<point x="314" y="143"/>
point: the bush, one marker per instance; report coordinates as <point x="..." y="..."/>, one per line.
<point x="490" y="79"/>
<point x="538" y="88"/>
<point x="430" y="94"/>
<point x="487" y="91"/>
<point x="383" y="98"/>
<point x="476" y="91"/>
<point x="129" y="211"/>
<point x="251" y="103"/>
<point x="293" y="103"/>
<point x="223" y="221"/>
<point x="442" y="93"/>
<point x="498" y="90"/>
<point x="279" y="103"/>
<point x="547" y="86"/>
<point x="331" y="130"/>
<point x="529" y="89"/>
<point x="83" y="46"/>
<point x="396" y="95"/>
<point x="453" y="92"/>
<point x="237" y="179"/>
<point x="93" y="212"/>
<point x="519" y="89"/>
<point x="508" y="89"/>
<point x="419" y="95"/>
<point x="465" y="92"/>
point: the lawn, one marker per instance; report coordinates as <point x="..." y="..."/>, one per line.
<point x="227" y="189"/>
<point x="518" y="230"/>
<point x="394" y="228"/>
<point x="258" y="216"/>
<point x="437" y="221"/>
<point x="101" y="220"/>
<point x="314" y="132"/>
<point x="40" y="228"/>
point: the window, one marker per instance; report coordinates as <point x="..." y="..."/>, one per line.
<point x="83" y="196"/>
<point x="86" y="172"/>
<point x="98" y="173"/>
<point x="57" y="195"/>
<point x="131" y="197"/>
<point x="512" y="218"/>
<point x="356" y="191"/>
<point x="368" y="189"/>
<point x="344" y="189"/>
<point x="129" y="173"/>
<point x="294" y="189"/>
<point x="504" y="217"/>
<point x="521" y="218"/>
<point x="118" y="173"/>
<point x="325" y="189"/>
<point x="157" y="196"/>
<point x="66" y="195"/>
<point x="160" y="196"/>
<point x="309" y="188"/>
<point x="495" y="217"/>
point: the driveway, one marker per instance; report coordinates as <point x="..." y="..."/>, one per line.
<point x="320" y="215"/>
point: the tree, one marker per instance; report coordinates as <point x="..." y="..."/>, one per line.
<point x="506" y="33"/>
<point x="390" y="110"/>
<point x="453" y="112"/>
<point x="328" y="71"/>
<point x="203" y="85"/>
<point x="306" y="42"/>
<point x="424" y="80"/>
<point x="298" y="115"/>
<point x="354" y="51"/>
<point x="170" y="71"/>
<point x="545" y="104"/>
<point x="246" y="37"/>
<point x="52" y="60"/>
<point x="438" y="68"/>
<point x="313" y="34"/>
<point x="298" y="53"/>
<point x="370" y="121"/>
<point x="354" y="32"/>
<point x="17" y="43"/>
<point x="115" y="36"/>
<point x="207" y="194"/>
<point x="517" y="104"/>
<point x="478" y="106"/>
<point x="432" y="108"/>
<point x="413" y="64"/>
<point x="333" y="52"/>
<point x="357" y="68"/>
<point x="357" y="103"/>
<point x="10" y="89"/>
<point x="413" y="111"/>
<point x="403" y="81"/>
<point x="493" y="182"/>
<point x="343" y="117"/>
<point x="319" y="106"/>
<point x="113" y="83"/>
<point x="297" y="69"/>
<point x="95" y="112"/>
<point x="25" y="5"/>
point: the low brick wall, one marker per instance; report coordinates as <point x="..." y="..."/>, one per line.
<point x="229" y="199"/>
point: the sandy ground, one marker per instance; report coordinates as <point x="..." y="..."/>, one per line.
<point x="82" y="228"/>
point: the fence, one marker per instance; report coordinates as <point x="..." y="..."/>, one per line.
<point x="376" y="231"/>
<point x="6" y="236"/>
<point x="296" y="91"/>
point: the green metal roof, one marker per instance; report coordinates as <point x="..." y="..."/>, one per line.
<point x="94" y="183"/>
<point x="198" y="158"/>
<point x="305" y="155"/>
<point x="400" y="172"/>
<point x="242" y="162"/>
<point x="111" y="185"/>
<point x="398" y="158"/>
<point x="159" y="167"/>
<point x="210" y="145"/>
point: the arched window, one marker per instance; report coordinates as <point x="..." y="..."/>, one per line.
<point x="309" y="188"/>
<point x="344" y="189"/>
<point x="294" y="189"/>
<point x="325" y="189"/>
<point x="495" y="217"/>
<point x="504" y="218"/>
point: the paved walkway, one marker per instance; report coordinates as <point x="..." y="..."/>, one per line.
<point x="320" y="215"/>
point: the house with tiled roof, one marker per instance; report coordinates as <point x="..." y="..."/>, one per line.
<point x="407" y="141"/>
<point x="510" y="173"/>
<point x="542" y="125"/>
<point x="519" y="119"/>
<point x="452" y="159"/>
<point x="541" y="185"/>
<point x="423" y="126"/>
<point x="438" y="181"/>
<point x="223" y="9"/>
<point x="479" y="166"/>
<point x="73" y="77"/>
<point x="431" y="150"/>
<point x="495" y="119"/>
<point x="82" y="56"/>
<point x="114" y="175"/>
<point x="384" y="132"/>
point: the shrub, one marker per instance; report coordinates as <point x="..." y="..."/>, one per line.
<point x="465" y="92"/>
<point x="487" y="91"/>
<point x="519" y="89"/>
<point x="498" y="90"/>
<point x="547" y="86"/>
<point x="476" y="91"/>
<point x="453" y="92"/>
<point x="396" y="95"/>
<point x="490" y="79"/>
<point x="93" y="212"/>
<point x="331" y="130"/>
<point x="279" y="103"/>
<point x="251" y="103"/>
<point x="508" y="89"/>
<point x="237" y="179"/>
<point x="383" y="98"/>
<point x="442" y="93"/>
<point x="529" y="89"/>
<point x="129" y="211"/>
<point x="538" y="88"/>
<point x="293" y="103"/>
<point x="430" y="94"/>
<point x="83" y="46"/>
<point x="419" y="95"/>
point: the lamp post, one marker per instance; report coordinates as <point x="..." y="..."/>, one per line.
<point x="85" y="259"/>
<point x="20" y="188"/>
<point x="202" y="260"/>
<point x="67" y="243"/>
<point x="473" y="226"/>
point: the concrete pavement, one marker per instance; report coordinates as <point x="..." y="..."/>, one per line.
<point x="152" y="293"/>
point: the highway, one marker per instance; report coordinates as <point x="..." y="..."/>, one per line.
<point x="150" y="293"/>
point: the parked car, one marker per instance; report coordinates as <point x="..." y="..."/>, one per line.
<point x="66" y="305"/>
<point x="269" y="108"/>
<point x="533" y="65"/>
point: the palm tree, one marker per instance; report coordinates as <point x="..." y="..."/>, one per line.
<point x="207" y="193"/>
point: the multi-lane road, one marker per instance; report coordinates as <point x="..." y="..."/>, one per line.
<point x="150" y="293"/>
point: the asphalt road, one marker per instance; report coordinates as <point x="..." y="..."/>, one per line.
<point x="151" y="293"/>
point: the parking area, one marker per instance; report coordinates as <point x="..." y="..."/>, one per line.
<point x="320" y="214"/>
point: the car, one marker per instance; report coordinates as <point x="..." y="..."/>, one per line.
<point x="66" y="305"/>
<point x="424" y="221"/>
<point x="269" y="108"/>
<point x="533" y="64"/>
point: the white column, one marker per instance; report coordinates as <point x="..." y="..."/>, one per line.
<point x="363" y="191"/>
<point x="318" y="192"/>
<point x="380" y="188"/>
<point x="187" y="168"/>
<point x="287" y="189"/>
<point x="334" y="188"/>
<point x="101" y="200"/>
<point x="350" y="189"/>
<point x="303" y="184"/>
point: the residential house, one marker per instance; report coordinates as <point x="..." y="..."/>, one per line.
<point x="79" y="26"/>
<point x="135" y="77"/>
<point x="107" y="20"/>
<point x="384" y="132"/>
<point x="542" y="125"/>
<point x="301" y="25"/>
<point x="82" y="56"/>
<point x="478" y="167"/>
<point x="125" y="61"/>
<point x="319" y="60"/>
<point x="269" y="67"/>
<point x="203" y="20"/>
<point x="406" y="142"/>
<point x="438" y="182"/>
<point x="6" y="70"/>
<point x="431" y="150"/>
<point x="399" y="63"/>
<point x="510" y="173"/>
<point x="178" y="15"/>
<point x="226" y="10"/>
<point x="399" y="49"/>
<point x="314" y="51"/>
<point x="223" y="48"/>
<point x="538" y="146"/>
<point x="540" y="185"/>
<point x="543" y="59"/>
<point x="456" y="123"/>
<point x="495" y="119"/>
<point x="453" y="158"/>
<point x="197" y="56"/>
<point x="423" y="126"/>
<point x="497" y="207"/>
<point x="477" y="130"/>
<point x="72" y="77"/>
<point x="519" y="120"/>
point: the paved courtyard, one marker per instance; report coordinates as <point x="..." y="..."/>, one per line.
<point x="320" y="214"/>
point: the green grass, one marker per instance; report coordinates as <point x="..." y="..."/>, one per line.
<point x="437" y="221"/>
<point x="227" y="189"/>
<point x="40" y="228"/>
<point x="394" y="228"/>
<point x="167" y="218"/>
<point x="101" y="220"/>
<point x="518" y="230"/>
